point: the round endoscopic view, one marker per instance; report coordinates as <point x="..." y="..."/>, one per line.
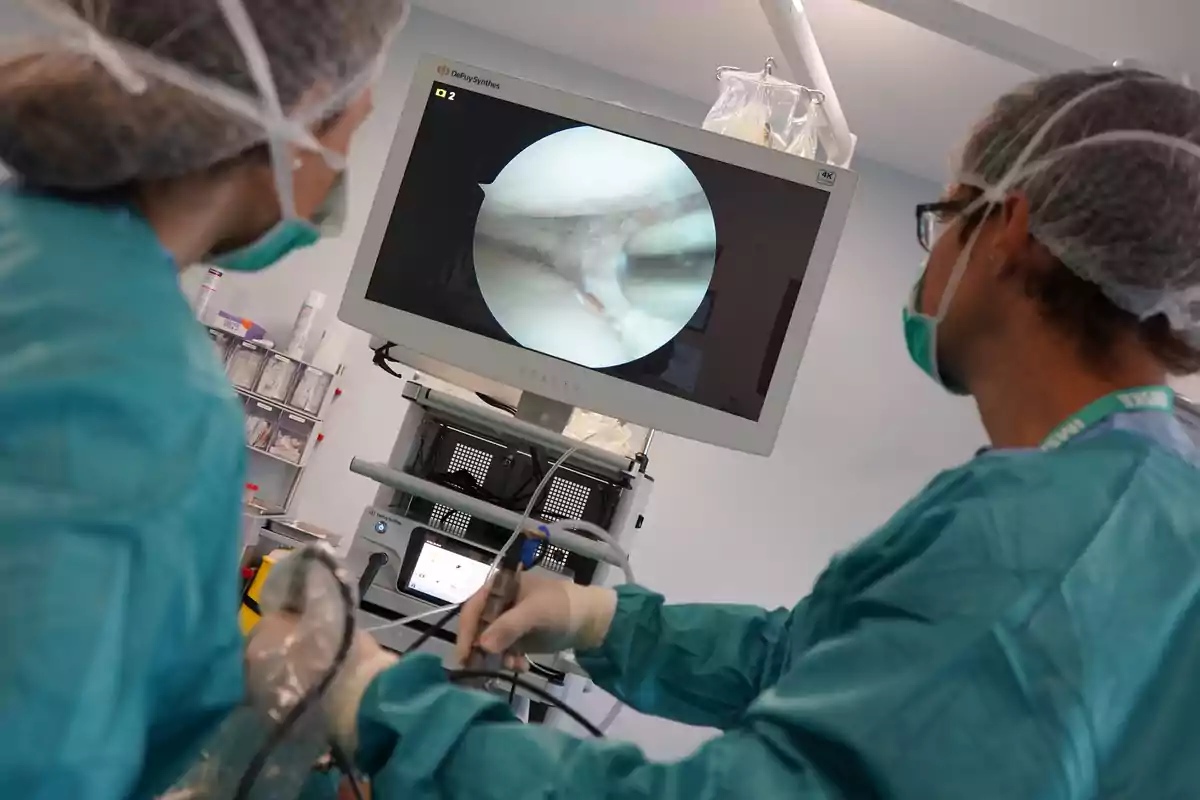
<point x="594" y="247"/>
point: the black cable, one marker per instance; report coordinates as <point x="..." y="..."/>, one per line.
<point x="428" y="633"/>
<point x="434" y="450"/>
<point x="464" y="482"/>
<point x="537" y="471"/>
<point x="419" y="458"/>
<point x="346" y="766"/>
<point x="499" y="405"/>
<point x="315" y="693"/>
<point x="446" y="517"/>
<point x="445" y="619"/>
<point x="538" y="461"/>
<point x="514" y="678"/>
<point x="457" y="676"/>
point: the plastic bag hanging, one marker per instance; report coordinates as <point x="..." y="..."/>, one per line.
<point x="760" y="108"/>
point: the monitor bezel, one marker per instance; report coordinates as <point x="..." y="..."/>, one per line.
<point x="441" y="349"/>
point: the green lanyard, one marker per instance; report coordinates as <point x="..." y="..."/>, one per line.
<point x="1145" y="398"/>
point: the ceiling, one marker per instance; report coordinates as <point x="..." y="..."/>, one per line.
<point x="910" y="95"/>
<point x="1161" y="33"/>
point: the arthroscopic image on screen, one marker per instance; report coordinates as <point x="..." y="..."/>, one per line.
<point x="561" y="226"/>
<point x="661" y="267"/>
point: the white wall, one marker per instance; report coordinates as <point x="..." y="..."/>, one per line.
<point x="864" y="428"/>
<point x="1188" y="386"/>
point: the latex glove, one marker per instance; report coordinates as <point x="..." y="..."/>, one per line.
<point x="550" y="615"/>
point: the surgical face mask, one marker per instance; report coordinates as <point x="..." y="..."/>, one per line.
<point x="330" y="218"/>
<point x="920" y="337"/>
<point x="920" y="329"/>
<point x="290" y="235"/>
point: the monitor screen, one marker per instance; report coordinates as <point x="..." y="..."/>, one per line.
<point x="446" y="575"/>
<point x="651" y="265"/>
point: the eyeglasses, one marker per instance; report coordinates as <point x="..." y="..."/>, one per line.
<point x="931" y="215"/>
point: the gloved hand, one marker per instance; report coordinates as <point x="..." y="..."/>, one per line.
<point x="550" y="615"/>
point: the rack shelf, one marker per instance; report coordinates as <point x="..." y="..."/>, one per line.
<point x="272" y="420"/>
<point x="290" y="409"/>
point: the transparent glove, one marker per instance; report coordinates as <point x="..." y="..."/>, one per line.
<point x="550" y="615"/>
<point x="283" y="664"/>
<point x="298" y="641"/>
<point x="307" y="601"/>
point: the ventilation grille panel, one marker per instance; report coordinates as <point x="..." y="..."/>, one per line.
<point x="565" y="500"/>
<point x="477" y="463"/>
<point x="555" y="558"/>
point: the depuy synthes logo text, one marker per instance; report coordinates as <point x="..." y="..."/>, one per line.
<point x="445" y="71"/>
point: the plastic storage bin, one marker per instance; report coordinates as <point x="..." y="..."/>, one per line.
<point x="310" y="391"/>
<point x="245" y="363"/>
<point x="291" y="437"/>
<point x="278" y="375"/>
<point x="261" y="419"/>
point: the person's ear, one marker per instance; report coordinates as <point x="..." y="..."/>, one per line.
<point x="1014" y="233"/>
<point x="338" y="135"/>
<point x="1012" y="238"/>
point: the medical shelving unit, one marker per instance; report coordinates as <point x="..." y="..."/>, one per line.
<point x="275" y="468"/>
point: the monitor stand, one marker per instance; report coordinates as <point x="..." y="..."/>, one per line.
<point x="544" y="412"/>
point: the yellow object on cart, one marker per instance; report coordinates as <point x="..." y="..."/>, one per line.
<point x="250" y="613"/>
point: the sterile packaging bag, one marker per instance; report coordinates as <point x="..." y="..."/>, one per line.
<point x="760" y="108"/>
<point x="310" y="608"/>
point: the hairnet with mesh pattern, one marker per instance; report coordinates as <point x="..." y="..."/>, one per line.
<point x="110" y="92"/>
<point x="1110" y="162"/>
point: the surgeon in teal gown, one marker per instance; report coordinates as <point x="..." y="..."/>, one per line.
<point x="121" y="441"/>
<point x="1027" y="627"/>
<point x="119" y="465"/>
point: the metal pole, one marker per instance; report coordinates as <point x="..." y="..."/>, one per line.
<point x="988" y="34"/>
<point x="411" y="484"/>
<point x="798" y="43"/>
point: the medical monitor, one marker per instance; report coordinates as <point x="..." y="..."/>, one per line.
<point x="639" y="268"/>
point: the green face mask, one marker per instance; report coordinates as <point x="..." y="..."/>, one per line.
<point x="289" y="235"/>
<point x="285" y="238"/>
<point x="920" y="336"/>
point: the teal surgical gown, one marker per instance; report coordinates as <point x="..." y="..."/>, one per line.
<point x="1027" y="627"/>
<point x="121" y="456"/>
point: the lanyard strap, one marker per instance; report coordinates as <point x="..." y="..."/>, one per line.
<point x="1145" y="398"/>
